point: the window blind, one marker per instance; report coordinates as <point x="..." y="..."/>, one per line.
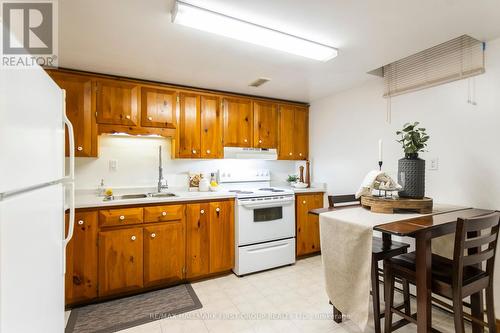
<point x="457" y="59"/>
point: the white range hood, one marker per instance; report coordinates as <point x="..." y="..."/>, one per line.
<point x="250" y="153"/>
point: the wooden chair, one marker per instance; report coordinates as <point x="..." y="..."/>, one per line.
<point x="381" y="250"/>
<point x="458" y="278"/>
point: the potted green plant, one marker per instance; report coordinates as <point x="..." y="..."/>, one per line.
<point x="411" y="168"/>
<point x="292" y="179"/>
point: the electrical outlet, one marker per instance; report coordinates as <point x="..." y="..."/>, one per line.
<point x="113" y="165"/>
<point x="434" y="164"/>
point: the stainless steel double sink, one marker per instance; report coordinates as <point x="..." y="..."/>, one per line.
<point x="139" y="196"/>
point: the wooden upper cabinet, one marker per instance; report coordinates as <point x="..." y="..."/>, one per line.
<point x="117" y="102"/>
<point x="158" y="107"/>
<point x="221" y="236"/>
<point x="308" y="239"/>
<point x="265" y="124"/>
<point x="286" y="133"/>
<point x="238" y="122"/>
<point x="301" y="129"/>
<point x="80" y="109"/>
<point x="211" y="127"/>
<point x="81" y="260"/>
<point x="293" y="132"/>
<point x="189" y="128"/>
<point x="164" y="253"/>
<point x="120" y="260"/>
<point x="197" y="240"/>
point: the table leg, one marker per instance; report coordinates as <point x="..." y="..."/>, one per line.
<point x="386" y="239"/>
<point x="424" y="275"/>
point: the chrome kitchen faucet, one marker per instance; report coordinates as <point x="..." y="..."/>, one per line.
<point x="162" y="183"/>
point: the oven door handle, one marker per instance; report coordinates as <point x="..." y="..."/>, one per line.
<point x="267" y="204"/>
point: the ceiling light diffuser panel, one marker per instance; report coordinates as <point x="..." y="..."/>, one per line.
<point x="220" y="24"/>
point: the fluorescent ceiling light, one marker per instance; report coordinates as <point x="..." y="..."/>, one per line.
<point x="217" y="23"/>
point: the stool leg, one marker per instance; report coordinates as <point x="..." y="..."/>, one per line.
<point x="375" y="296"/>
<point x="490" y="309"/>
<point x="389" y="297"/>
<point x="406" y="296"/>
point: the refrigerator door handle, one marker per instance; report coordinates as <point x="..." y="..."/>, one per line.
<point x="71" y="142"/>
<point x="71" y="222"/>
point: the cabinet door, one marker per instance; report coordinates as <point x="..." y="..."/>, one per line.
<point x="164" y="253"/>
<point x="197" y="240"/>
<point x="120" y="261"/>
<point x="307" y="225"/>
<point x="265" y="120"/>
<point x="158" y="107"/>
<point x="81" y="260"/>
<point x="221" y="236"/>
<point x="211" y="127"/>
<point x="117" y="102"/>
<point x="286" y="132"/>
<point x="188" y="133"/>
<point x="80" y="109"/>
<point x="238" y="122"/>
<point x="301" y="129"/>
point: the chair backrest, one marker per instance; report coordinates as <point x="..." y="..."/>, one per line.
<point x="334" y="200"/>
<point x="478" y="236"/>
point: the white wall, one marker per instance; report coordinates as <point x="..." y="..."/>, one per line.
<point x="137" y="164"/>
<point x="345" y="128"/>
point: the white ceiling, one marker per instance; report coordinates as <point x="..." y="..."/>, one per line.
<point x="135" y="38"/>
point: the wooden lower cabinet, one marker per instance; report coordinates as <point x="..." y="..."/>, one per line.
<point x="221" y="236"/>
<point x="307" y="225"/>
<point x="164" y="253"/>
<point x="120" y="260"/>
<point x="81" y="260"/>
<point x="197" y="240"/>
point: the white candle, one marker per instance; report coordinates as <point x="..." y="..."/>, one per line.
<point x="380" y="150"/>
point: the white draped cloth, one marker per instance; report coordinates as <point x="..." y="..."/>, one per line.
<point x="346" y="247"/>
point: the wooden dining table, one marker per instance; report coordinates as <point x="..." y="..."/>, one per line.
<point x="423" y="229"/>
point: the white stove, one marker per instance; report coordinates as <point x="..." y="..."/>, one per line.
<point x="264" y="221"/>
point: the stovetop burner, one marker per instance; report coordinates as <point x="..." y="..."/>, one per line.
<point x="270" y="189"/>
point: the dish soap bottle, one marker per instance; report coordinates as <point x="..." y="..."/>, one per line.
<point x="204" y="185"/>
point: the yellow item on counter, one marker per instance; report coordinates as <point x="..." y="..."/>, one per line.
<point x="213" y="183"/>
<point x="108" y="192"/>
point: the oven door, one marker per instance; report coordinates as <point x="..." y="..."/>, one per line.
<point x="265" y="219"/>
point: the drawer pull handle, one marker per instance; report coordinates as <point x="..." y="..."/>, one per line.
<point x="122" y="217"/>
<point x="217" y="209"/>
<point x="202" y="211"/>
<point x="80" y="222"/>
<point x="290" y="154"/>
<point x="260" y="141"/>
<point x="79" y="148"/>
<point x="208" y="151"/>
<point x="153" y="235"/>
<point x="194" y="151"/>
<point x="150" y="118"/>
<point x="133" y="238"/>
<point x="127" y="116"/>
<point x="245" y="140"/>
<point x="304" y="202"/>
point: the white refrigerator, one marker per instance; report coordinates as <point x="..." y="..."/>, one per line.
<point x="33" y="188"/>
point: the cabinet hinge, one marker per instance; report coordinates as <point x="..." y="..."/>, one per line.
<point x="184" y="270"/>
<point x="177" y="98"/>
<point x="96" y="115"/>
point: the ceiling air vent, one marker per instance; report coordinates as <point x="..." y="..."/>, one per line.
<point x="260" y="81"/>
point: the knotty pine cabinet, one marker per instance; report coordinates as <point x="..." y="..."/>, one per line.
<point x="238" y="122"/>
<point x="293" y="133"/>
<point x="120" y="260"/>
<point x="199" y="133"/>
<point x="158" y="107"/>
<point x="81" y="259"/>
<point x="265" y="124"/>
<point x="80" y="109"/>
<point x="117" y="102"/>
<point x="210" y="238"/>
<point x="307" y="225"/>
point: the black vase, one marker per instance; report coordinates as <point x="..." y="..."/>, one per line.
<point x="411" y="176"/>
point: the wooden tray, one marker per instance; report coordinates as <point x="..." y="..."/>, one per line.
<point x="388" y="205"/>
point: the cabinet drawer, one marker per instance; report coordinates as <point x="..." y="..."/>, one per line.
<point x="115" y="217"/>
<point x="163" y="213"/>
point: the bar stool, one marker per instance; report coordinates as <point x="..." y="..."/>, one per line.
<point x="454" y="279"/>
<point x="381" y="250"/>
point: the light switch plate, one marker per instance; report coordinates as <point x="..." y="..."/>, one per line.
<point x="434" y="164"/>
<point x="113" y="165"/>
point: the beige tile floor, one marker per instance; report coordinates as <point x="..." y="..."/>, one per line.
<point x="289" y="299"/>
